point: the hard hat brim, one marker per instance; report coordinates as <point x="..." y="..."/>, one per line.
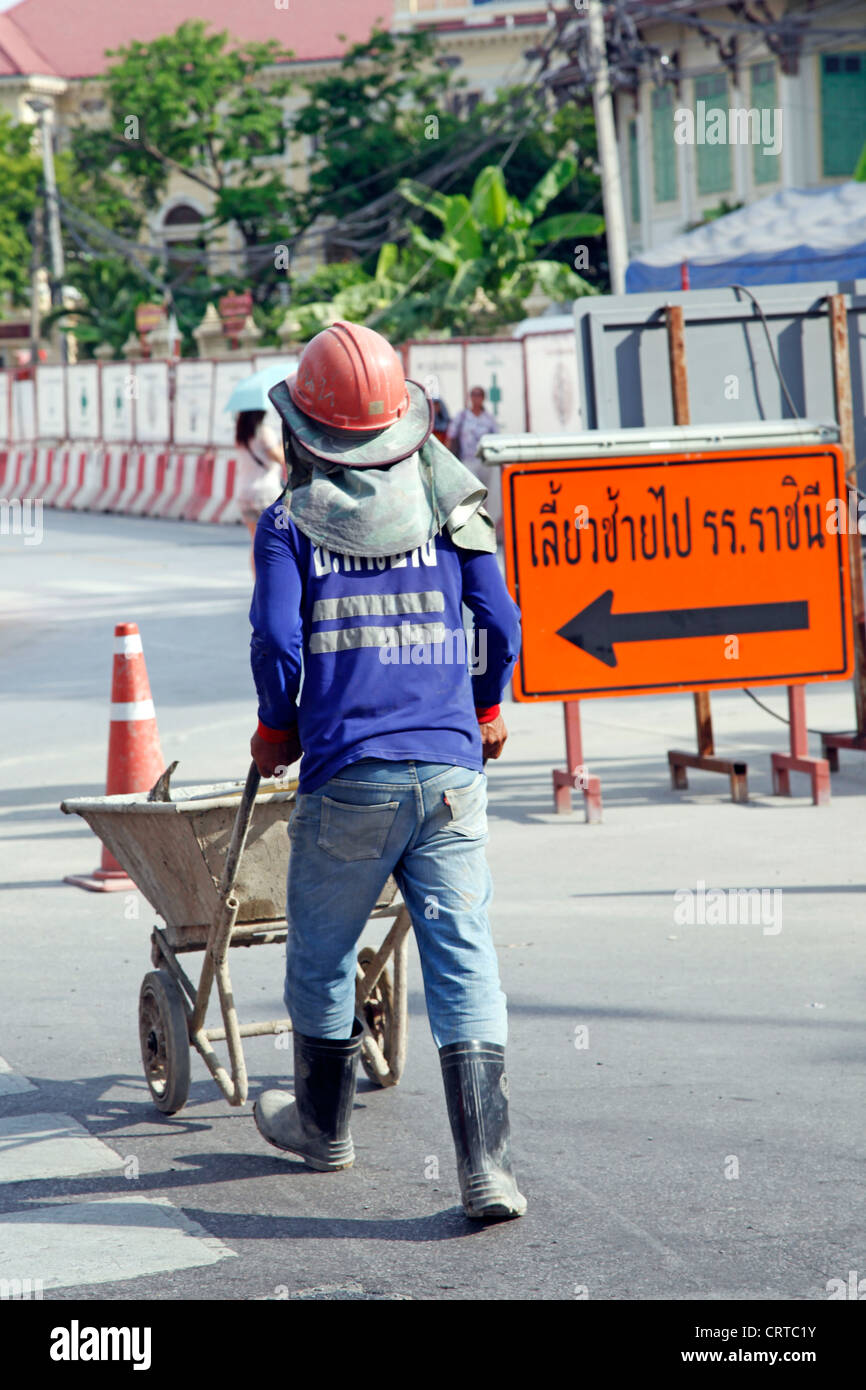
<point x="389" y="445"/>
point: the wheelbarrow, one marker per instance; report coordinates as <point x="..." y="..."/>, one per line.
<point x="212" y="861"/>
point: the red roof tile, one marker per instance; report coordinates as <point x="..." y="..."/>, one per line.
<point x="17" y="54"/>
<point x="71" y="39"/>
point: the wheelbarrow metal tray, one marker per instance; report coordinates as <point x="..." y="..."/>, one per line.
<point x="174" y="851"/>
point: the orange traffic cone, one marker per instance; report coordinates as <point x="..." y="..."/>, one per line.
<point x="134" y="756"/>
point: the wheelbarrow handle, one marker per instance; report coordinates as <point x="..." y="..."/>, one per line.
<point x="239" y="832"/>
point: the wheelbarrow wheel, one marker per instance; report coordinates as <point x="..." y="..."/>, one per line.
<point x="378" y="1015"/>
<point x="164" y="1038"/>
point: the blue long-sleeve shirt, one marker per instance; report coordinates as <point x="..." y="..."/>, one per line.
<point x="369" y="656"/>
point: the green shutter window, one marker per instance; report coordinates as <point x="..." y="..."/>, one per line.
<point x="766" y="167"/>
<point x="843" y="111"/>
<point x="633" y="171"/>
<point x="714" y="161"/>
<point x="664" y="149"/>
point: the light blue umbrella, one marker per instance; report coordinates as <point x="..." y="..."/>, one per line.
<point x="252" y="392"/>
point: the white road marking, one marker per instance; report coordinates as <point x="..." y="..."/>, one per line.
<point x="50" y="1146"/>
<point x="11" y="1084"/>
<point x="103" y="1242"/>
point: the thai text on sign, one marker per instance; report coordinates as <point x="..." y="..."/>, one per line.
<point x="697" y="571"/>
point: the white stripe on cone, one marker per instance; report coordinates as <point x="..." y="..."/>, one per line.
<point x="132" y="710"/>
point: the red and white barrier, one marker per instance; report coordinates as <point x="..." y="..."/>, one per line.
<point x="151" y="471"/>
<point x="17" y="470"/>
<point x="94" y="482"/>
<point x="41" y="475"/>
<point x="202" y="488"/>
<point x="131" y="480"/>
<point x="215" y="482"/>
<point x="57" y="477"/>
<point x="178" y="487"/>
<point x="224" y="507"/>
<point x="27" y="474"/>
<point x="131" y="483"/>
<point x="75" y="473"/>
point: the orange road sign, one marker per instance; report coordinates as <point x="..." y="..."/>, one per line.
<point x="694" y="571"/>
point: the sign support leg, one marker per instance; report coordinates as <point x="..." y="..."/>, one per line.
<point x="798" y="760"/>
<point x="576" y="774"/>
<point x="704" y="758"/>
<point x="831" y="743"/>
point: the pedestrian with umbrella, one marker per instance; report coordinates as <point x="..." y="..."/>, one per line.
<point x="264" y="475"/>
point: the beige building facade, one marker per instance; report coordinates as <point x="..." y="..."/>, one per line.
<point x="802" y="83"/>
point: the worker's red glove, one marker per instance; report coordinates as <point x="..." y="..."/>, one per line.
<point x="273" y="758"/>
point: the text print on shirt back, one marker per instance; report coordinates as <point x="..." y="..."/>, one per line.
<point x="329" y="562"/>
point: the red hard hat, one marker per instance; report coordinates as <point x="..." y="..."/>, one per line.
<point x="350" y="377"/>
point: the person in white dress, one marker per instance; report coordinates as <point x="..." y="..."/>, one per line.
<point x="265" y="472"/>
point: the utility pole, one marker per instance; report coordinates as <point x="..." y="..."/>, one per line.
<point x="608" y="153"/>
<point x="52" y="211"/>
<point x="35" y="267"/>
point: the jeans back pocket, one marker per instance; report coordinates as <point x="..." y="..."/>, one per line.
<point x="349" y="832"/>
<point x="468" y="806"/>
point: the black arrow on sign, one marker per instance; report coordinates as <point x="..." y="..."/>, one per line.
<point x="596" y="628"/>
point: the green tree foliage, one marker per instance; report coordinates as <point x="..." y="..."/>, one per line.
<point x="110" y="290"/>
<point x="475" y="276"/>
<point x="386" y="120"/>
<point x="20" y="178"/>
<point x="389" y="113"/>
<point x="198" y="104"/>
<point x="370" y="122"/>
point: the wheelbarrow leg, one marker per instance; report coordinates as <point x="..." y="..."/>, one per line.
<point x="215" y="964"/>
<point x="233" y="1087"/>
<point x="387" y="1070"/>
<point x="233" y="1037"/>
<point x="400" y="1026"/>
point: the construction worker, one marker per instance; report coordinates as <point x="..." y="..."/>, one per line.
<point x="361" y="573"/>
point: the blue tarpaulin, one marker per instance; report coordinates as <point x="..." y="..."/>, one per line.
<point x="797" y="235"/>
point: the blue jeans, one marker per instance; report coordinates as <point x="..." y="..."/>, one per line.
<point x="425" y="823"/>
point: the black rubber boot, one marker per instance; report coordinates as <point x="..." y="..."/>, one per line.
<point x="315" y="1123"/>
<point x="476" y="1091"/>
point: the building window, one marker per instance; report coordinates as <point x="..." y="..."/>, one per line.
<point x="664" y="149"/>
<point x="765" y="167"/>
<point x="185" y="244"/>
<point x="714" y="161"/>
<point x="843" y="112"/>
<point x="633" y="171"/>
<point x="182" y="215"/>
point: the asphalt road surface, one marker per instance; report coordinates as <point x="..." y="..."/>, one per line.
<point x="687" y="1098"/>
